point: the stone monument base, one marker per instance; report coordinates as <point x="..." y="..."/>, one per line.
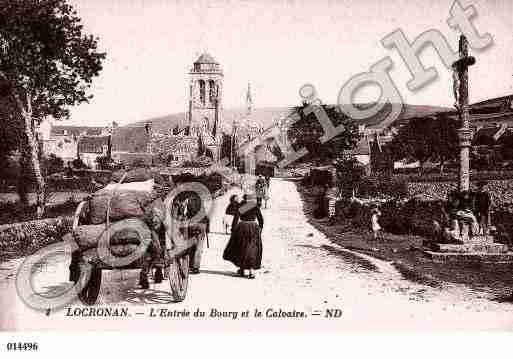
<point x="478" y="249"/>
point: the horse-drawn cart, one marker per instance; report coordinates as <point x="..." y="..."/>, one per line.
<point x="87" y="264"/>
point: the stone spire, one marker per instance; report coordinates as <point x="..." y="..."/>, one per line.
<point x="249" y="100"/>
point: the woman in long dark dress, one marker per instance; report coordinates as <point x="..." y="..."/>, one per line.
<point x="245" y="246"/>
<point x="229" y="219"/>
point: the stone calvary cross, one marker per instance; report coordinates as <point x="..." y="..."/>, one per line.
<point x="470" y="248"/>
<point x="460" y="68"/>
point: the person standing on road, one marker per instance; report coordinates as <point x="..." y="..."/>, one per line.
<point x="244" y="248"/>
<point x="229" y="218"/>
<point x="260" y="189"/>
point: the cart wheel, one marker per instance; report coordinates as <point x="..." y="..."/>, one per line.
<point x="179" y="277"/>
<point x="89" y="294"/>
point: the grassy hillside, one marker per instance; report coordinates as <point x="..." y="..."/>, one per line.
<point x="266" y="115"/>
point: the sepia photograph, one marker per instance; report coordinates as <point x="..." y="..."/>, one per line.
<point x="255" y="165"/>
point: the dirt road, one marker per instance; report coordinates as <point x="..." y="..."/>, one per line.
<point x="303" y="274"/>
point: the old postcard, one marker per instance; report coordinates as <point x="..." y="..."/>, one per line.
<point x="175" y="166"/>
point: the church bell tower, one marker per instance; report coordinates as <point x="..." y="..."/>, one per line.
<point x="205" y="97"/>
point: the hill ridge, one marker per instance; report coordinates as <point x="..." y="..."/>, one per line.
<point x="265" y="116"/>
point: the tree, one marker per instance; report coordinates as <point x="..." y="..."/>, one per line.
<point x="423" y="139"/>
<point x="348" y="174"/>
<point x="11" y="130"/>
<point x="201" y="147"/>
<point x="306" y="133"/>
<point x="47" y="65"/>
<point x="445" y="140"/>
<point x="226" y="147"/>
<point x="506" y="146"/>
<point x="413" y="142"/>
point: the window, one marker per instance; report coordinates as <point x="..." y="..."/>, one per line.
<point x="202" y="91"/>
<point x="212" y="91"/>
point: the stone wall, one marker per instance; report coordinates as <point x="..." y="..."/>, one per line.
<point x="24" y="238"/>
<point x="500" y="190"/>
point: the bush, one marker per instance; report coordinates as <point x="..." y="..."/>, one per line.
<point x="11" y="212"/>
<point x="377" y="186"/>
<point x="78" y="163"/>
<point x="102" y="176"/>
<point x="318" y="177"/>
<point x="195" y="164"/>
<point x="453" y="176"/>
<point x="412" y="217"/>
<point x="70" y="184"/>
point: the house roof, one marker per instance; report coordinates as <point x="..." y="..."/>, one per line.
<point x="486" y="135"/>
<point x="486" y="131"/>
<point x="130" y="139"/>
<point x="92" y="144"/>
<point x="495" y="109"/>
<point x="495" y="104"/>
<point x="76" y="130"/>
<point x="205" y="58"/>
<point x="174" y="144"/>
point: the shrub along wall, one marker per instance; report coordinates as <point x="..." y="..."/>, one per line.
<point x="20" y="239"/>
<point x="434" y="176"/>
<point x="376" y="186"/>
<point x="413" y="217"/>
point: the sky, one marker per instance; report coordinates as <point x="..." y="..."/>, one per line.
<point x="277" y="46"/>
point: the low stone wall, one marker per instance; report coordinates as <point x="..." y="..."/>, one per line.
<point x="24" y="238"/>
<point x="501" y="191"/>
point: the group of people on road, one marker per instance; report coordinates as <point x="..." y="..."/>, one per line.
<point x="244" y="249"/>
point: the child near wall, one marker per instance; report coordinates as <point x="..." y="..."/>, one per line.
<point x="375" y="226"/>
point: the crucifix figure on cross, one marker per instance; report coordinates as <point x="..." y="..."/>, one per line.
<point x="464" y="133"/>
<point x="460" y="67"/>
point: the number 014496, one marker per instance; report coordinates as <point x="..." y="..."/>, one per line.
<point x="22" y="347"/>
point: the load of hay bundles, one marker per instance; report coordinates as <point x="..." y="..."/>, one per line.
<point x="130" y="203"/>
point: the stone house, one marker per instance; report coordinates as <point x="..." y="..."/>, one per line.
<point x="129" y="144"/>
<point x="62" y="141"/>
<point x="92" y="147"/>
